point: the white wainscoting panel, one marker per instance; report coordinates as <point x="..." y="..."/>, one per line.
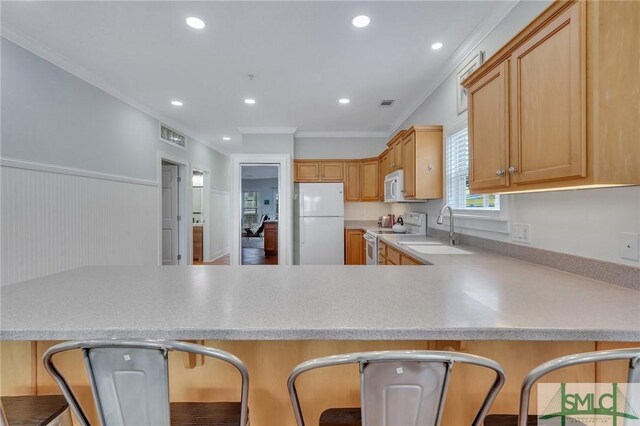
<point x="219" y="222"/>
<point x="52" y="222"/>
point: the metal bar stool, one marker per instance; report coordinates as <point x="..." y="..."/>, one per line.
<point x="397" y="387"/>
<point x="130" y="384"/>
<point x="524" y="419"/>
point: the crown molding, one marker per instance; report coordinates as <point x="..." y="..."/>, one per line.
<point x="341" y="134"/>
<point x="466" y="48"/>
<point x="267" y="130"/>
<point x="37" y="48"/>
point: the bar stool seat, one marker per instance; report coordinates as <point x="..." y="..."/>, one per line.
<point x="341" y="417"/>
<point x="33" y="410"/>
<point x="205" y="413"/>
<point x="509" y="420"/>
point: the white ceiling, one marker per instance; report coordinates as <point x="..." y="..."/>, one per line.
<point x="305" y="56"/>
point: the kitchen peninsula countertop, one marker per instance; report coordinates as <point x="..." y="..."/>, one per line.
<point x="483" y="296"/>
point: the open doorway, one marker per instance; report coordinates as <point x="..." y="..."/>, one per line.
<point x="260" y="214"/>
<point x="172" y="201"/>
<point x="198" y="217"/>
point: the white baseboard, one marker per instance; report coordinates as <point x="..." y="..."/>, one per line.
<point x="217" y="255"/>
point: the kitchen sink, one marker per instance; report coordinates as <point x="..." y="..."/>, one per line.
<point x="436" y="249"/>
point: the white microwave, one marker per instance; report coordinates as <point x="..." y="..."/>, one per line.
<point x="393" y="187"/>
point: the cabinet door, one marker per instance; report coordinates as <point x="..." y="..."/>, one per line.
<point x="352" y="181"/>
<point x="370" y="181"/>
<point x="382" y="173"/>
<point x="332" y="171"/>
<point x="307" y="171"/>
<point x="547" y="103"/>
<point x="399" y="156"/>
<point x="409" y="165"/>
<point x="489" y="130"/>
<point x="355" y="243"/>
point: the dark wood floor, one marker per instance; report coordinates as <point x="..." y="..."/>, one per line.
<point x="252" y="254"/>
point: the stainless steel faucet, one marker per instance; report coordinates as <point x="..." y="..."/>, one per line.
<point x="452" y="240"/>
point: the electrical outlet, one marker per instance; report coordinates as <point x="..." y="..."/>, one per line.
<point x="629" y="243"/>
<point x="521" y="232"/>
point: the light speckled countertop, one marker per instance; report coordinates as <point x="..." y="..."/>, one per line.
<point x="460" y="297"/>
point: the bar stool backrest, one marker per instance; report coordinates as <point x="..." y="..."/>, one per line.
<point x="632" y="355"/>
<point x="402" y="392"/>
<point x="130" y="385"/>
<point x="130" y="378"/>
<point x="402" y="387"/>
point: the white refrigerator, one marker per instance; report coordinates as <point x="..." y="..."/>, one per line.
<point x="319" y="224"/>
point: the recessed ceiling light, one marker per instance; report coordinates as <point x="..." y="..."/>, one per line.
<point x="361" y="21"/>
<point x="196" y="23"/>
<point x="250" y="101"/>
<point x="226" y="138"/>
<point x="436" y="46"/>
<point x="344" y="101"/>
<point x="176" y="103"/>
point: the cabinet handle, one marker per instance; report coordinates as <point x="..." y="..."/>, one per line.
<point x="513" y="169"/>
<point x="500" y="172"/>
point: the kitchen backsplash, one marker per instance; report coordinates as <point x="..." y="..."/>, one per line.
<point x="372" y="211"/>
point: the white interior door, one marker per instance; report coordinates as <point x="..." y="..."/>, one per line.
<point x="170" y="214"/>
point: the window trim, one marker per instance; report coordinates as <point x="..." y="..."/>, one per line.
<point x="476" y="214"/>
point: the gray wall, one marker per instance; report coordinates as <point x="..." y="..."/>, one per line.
<point x="345" y="148"/>
<point x="268" y="143"/>
<point x="50" y="116"/>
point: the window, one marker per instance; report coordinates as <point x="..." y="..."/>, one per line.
<point x="457" y="178"/>
<point x="249" y="209"/>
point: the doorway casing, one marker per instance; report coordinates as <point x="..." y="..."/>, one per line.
<point x="285" y="190"/>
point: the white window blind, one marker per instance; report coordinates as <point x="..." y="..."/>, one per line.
<point x="457" y="176"/>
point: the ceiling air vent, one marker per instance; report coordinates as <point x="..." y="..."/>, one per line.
<point x="172" y="137"/>
<point x="386" y="103"/>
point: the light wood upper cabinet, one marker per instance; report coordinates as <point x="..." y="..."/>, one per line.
<point x="307" y="171"/>
<point x="331" y="171"/>
<point x="383" y="170"/>
<point x="409" y="164"/>
<point x="569" y="116"/>
<point x="370" y="181"/>
<point x="352" y="181"/>
<point x="547" y="91"/>
<point x="319" y="171"/>
<point x="423" y="170"/>
<point x="395" y="151"/>
<point x="489" y="100"/>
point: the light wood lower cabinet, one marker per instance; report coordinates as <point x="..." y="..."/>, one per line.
<point x="197" y="244"/>
<point x="271" y="238"/>
<point x="269" y="403"/>
<point x="354" y="251"/>
<point x="388" y="255"/>
<point x="562" y="98"/>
